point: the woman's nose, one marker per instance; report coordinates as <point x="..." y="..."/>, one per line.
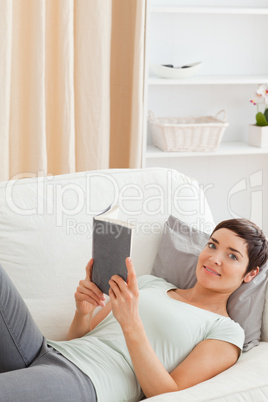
<point x="216" y="258"/>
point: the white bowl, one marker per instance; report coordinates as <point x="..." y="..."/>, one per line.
<point x="175" y="72"/>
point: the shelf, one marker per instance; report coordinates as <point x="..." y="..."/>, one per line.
<point x="211" y="80"/>
<point x="226" y="149"/>
<point x="210" y="10"/>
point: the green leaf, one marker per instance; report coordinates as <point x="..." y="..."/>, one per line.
<point x="266" y="114"/>
<point x="261" y="120"/>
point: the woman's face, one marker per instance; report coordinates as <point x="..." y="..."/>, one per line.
<point x="223" y="262"/>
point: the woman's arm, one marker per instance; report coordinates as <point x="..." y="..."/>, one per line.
<point x="208" y="358"/>
<point x="87" y="297"/>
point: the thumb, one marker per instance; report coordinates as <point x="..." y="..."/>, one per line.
<point x="131" y="277"/>
<point x="89" y="268"/>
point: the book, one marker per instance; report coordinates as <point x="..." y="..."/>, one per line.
<point x="111" y="245"/>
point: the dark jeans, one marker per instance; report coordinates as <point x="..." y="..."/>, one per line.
<point x="30" y="370"/>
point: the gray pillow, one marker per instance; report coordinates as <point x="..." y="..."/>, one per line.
<point x="176" y="262"/>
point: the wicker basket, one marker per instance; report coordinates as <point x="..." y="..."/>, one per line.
<point x="187" y="133"/>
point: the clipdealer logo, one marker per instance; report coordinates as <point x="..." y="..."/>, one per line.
<point x="254" y="186"/>
<point x="91" y="193"/>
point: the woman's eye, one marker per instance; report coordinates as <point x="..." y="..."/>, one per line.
<point x="233" y="257"/>
<point x="211" y="245"/>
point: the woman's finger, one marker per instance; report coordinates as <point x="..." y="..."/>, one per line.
<point x="116" y="285"/>
<point x="89" y="288"/>
<point x="119" y="282"/>
<point x="79" y="297"/>
<point x="89" y="268"/>
<point x="88" y="291"/>
<point x="88" y="281"/>
<point x="131" y="277"/>
<point x="87" y="284"/>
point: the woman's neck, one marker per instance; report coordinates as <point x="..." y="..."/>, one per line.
<point x="205" y="298"/>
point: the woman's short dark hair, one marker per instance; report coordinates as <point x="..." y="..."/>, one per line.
<point x="257" y="246"/>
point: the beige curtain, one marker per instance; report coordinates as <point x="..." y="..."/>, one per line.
<point x="71" y="82"/>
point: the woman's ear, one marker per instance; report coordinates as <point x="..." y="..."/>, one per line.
<point x="250" y="275"/>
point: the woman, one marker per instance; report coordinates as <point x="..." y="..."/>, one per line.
<point x="158" y="338"/>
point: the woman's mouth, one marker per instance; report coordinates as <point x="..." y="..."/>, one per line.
<point x="210" y="271"/>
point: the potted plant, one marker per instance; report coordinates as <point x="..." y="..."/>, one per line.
<point x="258" y="133"/>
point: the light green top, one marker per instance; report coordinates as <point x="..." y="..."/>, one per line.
<point x="173" y="328"/>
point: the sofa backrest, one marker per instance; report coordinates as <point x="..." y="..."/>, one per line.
<point x="46" y="226"/>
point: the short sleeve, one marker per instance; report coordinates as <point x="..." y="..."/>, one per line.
<point x="225" y="329"/>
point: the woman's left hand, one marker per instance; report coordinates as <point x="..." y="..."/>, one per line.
<point x="124" y="297"/>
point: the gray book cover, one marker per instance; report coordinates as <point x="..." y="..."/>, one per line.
<point x="110" y="247"/>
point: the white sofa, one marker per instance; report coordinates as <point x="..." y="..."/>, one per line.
<point x="45" y="243"/>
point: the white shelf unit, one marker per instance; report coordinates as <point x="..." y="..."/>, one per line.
<point x="222" y="83"/>
<point x="226" y="149"/>
<point x="210" y="10"/>
<point x="211" y="80"/>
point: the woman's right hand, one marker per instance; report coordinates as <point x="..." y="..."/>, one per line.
<point x="88" y="296"/>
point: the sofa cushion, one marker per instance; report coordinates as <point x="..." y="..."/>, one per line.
<point x="176" y="262"/>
